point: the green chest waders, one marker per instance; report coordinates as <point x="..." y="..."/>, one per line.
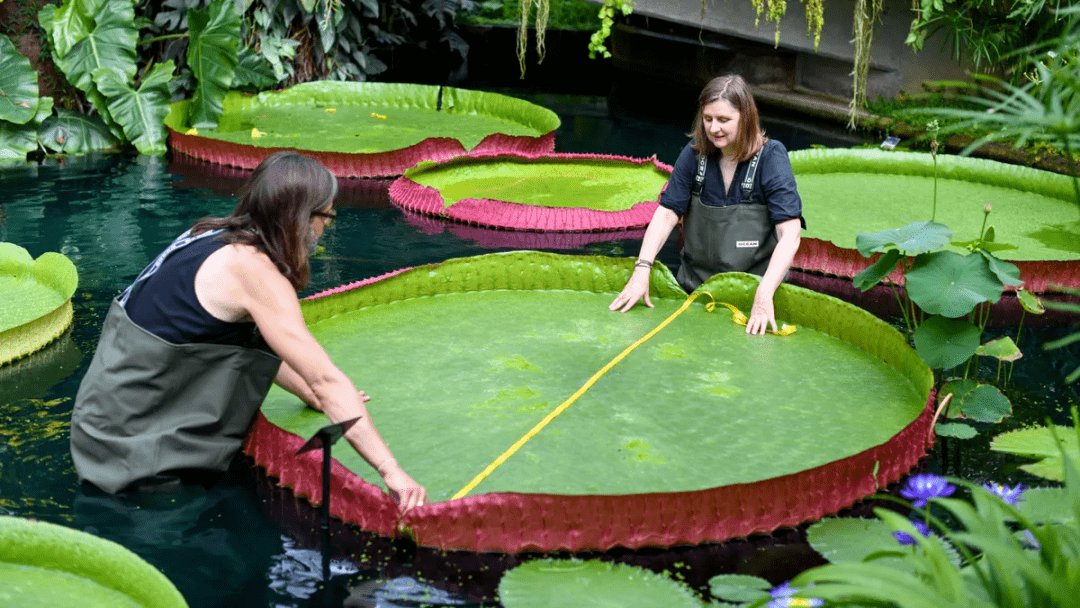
<point x="149" y="409"/>
<point x="733" y="238"/>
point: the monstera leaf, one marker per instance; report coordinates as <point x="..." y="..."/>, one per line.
<point x="212" y="56"/>
<point x="69" y="132"/>
<point x="254" y="71"/>
<point x="949" y="284"/>
<point x="141" y="112"/>
<point x="16" y="141"/>
<point x="18" y="82"/>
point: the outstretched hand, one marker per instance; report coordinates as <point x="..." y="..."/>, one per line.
<point x="404" y="489"/>
<point x="762" y="316"/>
<point x="636" y="289"/>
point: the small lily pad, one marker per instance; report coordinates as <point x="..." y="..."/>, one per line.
<point x="738" y="587"/>
<point x="1002" y="349"/>
<point x="957" y="430"/>
<point x="550" y="582"/>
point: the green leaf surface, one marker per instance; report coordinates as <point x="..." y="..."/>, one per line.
<point x="986" y="403"/>
<point x="508" y="337"/>
<point x="949" y="284"/>
<point x="110" y="43"/>
<point x="70" y="132"/>
<point x="738" y="587"/>
<point x="959" y="430"/>
<point x="16" y="141"/>
<point x="1006" y="272"/>
<point x="18" y="85"/>
<point x="140" y="112"/>
<point x="43" y="564"/>
<point x="552" y="582"/>
<point x="1047" y="506"/>
<point x="213" y="40"/>
<point x="850" y="540"/>
<point x="944" y="343"/>
<point x="68" y="24"/>
<point x="1040" y="443"/>
<point x="602" y="184"/>
<point x="853" y="190"/>
<point x="913" y="239"/>
<point x="1002" y="349"/>
<point x="958" y="389"/>
<point x="1031" y="302"/>
<point x="30" y="288"/>
<point x="872" y="275"/>
<point x="253" y="71"/>
<point x="347" y="117"/>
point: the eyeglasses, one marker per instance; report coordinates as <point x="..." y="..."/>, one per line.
<point x="329" y="216"/>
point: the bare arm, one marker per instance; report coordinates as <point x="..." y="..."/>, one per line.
<point x="271" y="301"/>
<point x="788" y="236"/>
<point x="662" y="223"/>
<point x="288" y="379"/>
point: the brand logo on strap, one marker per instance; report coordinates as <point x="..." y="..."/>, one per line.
<point x="745" y="244"/>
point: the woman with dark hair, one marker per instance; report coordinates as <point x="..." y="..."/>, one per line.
<point x="188" y="352"/>
<point x="735" y="193"/>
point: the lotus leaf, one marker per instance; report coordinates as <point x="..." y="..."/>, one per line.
<point x="1002" y="349"/>
<point x="1043" y="444"/>
<point x="873" y="273"/>
<point x="952" y="285"/>
<point x="552" y="582"/>
<point x="487" y="364"/>
<point x="920" y="237"/>
<point x="43" y="564"/>
<point x="944" y="343"/>
<point x="848" y="191"/>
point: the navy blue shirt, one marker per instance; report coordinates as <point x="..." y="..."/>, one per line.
<point x="774" y="184"/>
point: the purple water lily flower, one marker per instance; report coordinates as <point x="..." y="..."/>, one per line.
<point x="782" y="598"/>
<point x="1009" y="494"/>
<point x="921" y="488"/>
<point x="906" y="539"/>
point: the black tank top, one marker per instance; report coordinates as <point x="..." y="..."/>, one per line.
<point x="165" y="303"/>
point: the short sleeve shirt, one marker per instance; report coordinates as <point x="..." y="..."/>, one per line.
<point x="774" y="184"/>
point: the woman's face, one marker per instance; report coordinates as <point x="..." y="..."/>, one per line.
<point x="721" y="122"/>
<point x="322" y="218"/>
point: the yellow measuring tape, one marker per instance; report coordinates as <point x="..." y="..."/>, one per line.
<point x="737" y="317"/>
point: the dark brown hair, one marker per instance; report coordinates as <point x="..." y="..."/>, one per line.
<point x="733" y="89"/>
<point x="275" y="210"/>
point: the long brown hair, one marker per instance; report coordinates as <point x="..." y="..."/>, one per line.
<point x="733" y="89"/>
<point x="275" y="210"/>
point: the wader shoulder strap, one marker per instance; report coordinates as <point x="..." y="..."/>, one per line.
<point x="751" y="171"/>
<point x="181" y="241"/>
<point x="699" y="177"/>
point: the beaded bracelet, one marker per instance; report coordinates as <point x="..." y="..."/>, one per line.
<point x="642" y="264"/>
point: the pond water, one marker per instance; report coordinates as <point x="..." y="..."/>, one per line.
<point x="245" y="543"/>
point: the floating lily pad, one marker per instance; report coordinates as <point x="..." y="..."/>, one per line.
<point x="552" y="192"/>
<point x="552" y="582"/>
<point x="847" y="192"/>
<point x="43" y="564"/>
<point x="35" y="299"/>
<point x="704" y="424"/>
<point x="365" y="129"/>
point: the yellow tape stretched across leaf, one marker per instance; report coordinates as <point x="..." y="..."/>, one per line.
<point x="737" y="317"/>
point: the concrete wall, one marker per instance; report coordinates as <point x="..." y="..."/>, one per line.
<point x="894" y="65"/>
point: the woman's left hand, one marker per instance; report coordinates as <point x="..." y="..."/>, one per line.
<point x="761" y="315"/>
<point x="404" y="489"/>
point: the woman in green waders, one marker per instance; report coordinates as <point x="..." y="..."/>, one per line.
<point x="188" y="352"/>
<point x="735" y="192"/>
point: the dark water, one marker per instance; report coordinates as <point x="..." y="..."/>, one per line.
<point x="245" y="543"/>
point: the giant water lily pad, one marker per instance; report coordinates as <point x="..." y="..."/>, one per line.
<point x="700" y="434"/>
<point x="43" y="564"/>
<point x="847" y="192"/>
<point x="364" y="129"/>
<point x="35" y="299"/>
<point x="551" y="192"/>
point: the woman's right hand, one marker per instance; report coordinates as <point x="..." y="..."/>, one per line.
<point x="636" y="288"/>
<point x="404" y="489"/>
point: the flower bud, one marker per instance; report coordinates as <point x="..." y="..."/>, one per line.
<point x="986" y="209"/>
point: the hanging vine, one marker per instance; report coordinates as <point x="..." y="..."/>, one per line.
<point x="775" y="9"/>
<point x="867" y="12"/>
<point x="543" y="8"/>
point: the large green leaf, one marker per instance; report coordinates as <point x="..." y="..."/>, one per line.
<point x="986" y="403"/>
<point x="18" y="85"/>
<point x="943" y="342"/>
<point x="140" y="112"/>
<point x="552" y="582"/>
<point x="68" y="24"/>
<point x="109" y="44"/>
<point x="253" y="71"/>
<point x="212" y="56"/>
<point x="850" y="540"/>
<point x="1006" y="272"/>
<point x="872" y="274"/>
<point x="70" y="132"/>
<point x="1040" y="443"/>
<point x="952" y="285"/>
<point x="913" y="239"/>
<point x="16" y="141"/>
